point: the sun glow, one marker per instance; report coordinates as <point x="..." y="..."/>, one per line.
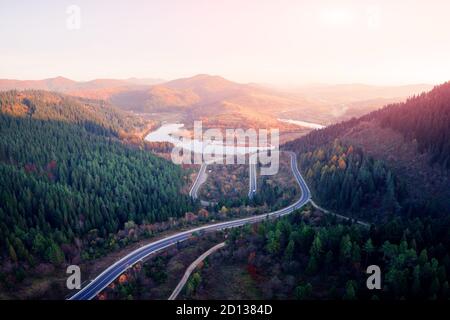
<point x="281" y="42"/>
<point x="336" y="17"/>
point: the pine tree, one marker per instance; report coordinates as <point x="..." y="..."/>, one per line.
<point x="350" y="292"/>
<point x="316" y="247"/>
<point x="368" y="249"/>
<point x="345" y="248"/>
<point x="289" y="252"/>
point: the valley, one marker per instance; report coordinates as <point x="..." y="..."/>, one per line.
<point x="94" y="185"/>
<point x="230" y="159"/>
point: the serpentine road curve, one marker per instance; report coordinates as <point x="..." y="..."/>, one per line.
<point x="114" y="271"/>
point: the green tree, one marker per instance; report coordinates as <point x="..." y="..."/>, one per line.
<point x="423" y="257"/>
<point x="345" y="248"/>
<point x="356" y="253"/>
<point x="316" y="247"/>
<point x="368" y="249"/>
<point x="196" y="279"/>
<point x="312" y="267"/>
<point x="54" y="254"/>
<point x="303" y="292"/>
<point x="350" y="292"/>
<point x="289" y="252"/>
<point x="12" y="253"/>
<point x="273" y="243"/>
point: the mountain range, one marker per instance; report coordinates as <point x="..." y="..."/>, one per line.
<point x="412" y="138"/>
<point x="72" y="191"/>
<point x="220" y="102"/>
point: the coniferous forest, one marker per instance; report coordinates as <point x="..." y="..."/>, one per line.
<point x="424" y="118"/>
<point x="63" y="179"/>
<point x="66" y="177"/>
<point x="326" y="258"/>
<point x="307" y="259"/>
<point x="348" y="179"/>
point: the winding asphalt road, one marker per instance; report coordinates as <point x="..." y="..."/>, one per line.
<point x="115" y="270"/>
<point x="198" y="181"/>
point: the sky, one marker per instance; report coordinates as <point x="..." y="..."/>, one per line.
<point x="283" y="42"/>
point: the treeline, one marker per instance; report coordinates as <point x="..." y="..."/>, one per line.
<point x="425" y="118"/>
<point x="343" y="179"/>
<point x="159" y="147"/>
<point x="94" y="116"/>
<point x="60" y="182"/>
<point x="318" y="138"/>
<point x="291" y="259"/>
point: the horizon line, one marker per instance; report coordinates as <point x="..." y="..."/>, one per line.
<point x="276" y="85"/>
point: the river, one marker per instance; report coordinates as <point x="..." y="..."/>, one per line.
<point x="303" y="123"/>
<point x="172" y="132"/>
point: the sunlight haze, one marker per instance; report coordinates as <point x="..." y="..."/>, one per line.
<point x="277" y="42"/>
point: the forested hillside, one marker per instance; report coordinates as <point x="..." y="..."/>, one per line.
<point x="394" y="160"/>
<point x="308" y="257"/>
<point x="62" y="180"/>
<point x="94" y="115"/>
<point x="344" y="179"/>
<point x="425" y="118"/>
<point x="390" y="168"/>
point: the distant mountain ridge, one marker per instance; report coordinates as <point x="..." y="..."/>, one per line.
<point x="411" y="137"/>
<point x="62" y="84"/>
<point x="222" y="102"/>
<point x="51" y="106"/>
<point x="342" y="93"/>
<point x="213" y="99"/>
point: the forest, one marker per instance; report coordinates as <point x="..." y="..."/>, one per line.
<point x="312" y="256"/>
<point x="306" y="256"/>
<point x="95" y="116"/>
<point x="66" y="179"/>
<point x="343" y="179"/>
<point x="425" y="118"/>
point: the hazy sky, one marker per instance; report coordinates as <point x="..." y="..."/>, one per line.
<point x="276" y="41"/>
